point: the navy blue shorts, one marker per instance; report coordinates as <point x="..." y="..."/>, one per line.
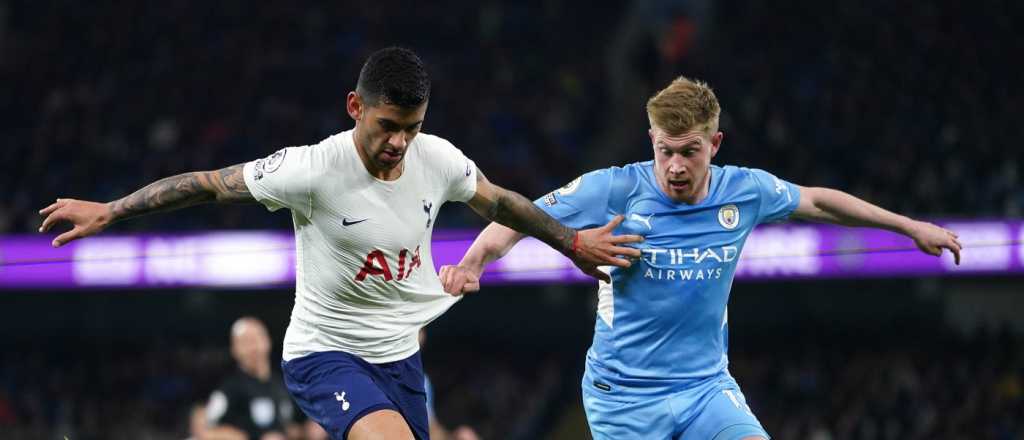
<point x="335" y="389"/>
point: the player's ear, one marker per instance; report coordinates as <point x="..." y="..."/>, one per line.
<point x="650" y="134"/>
<point x="354" y="105"/>
<point x="716" y="142"/>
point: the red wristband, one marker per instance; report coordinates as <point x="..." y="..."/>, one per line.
<point x="576" y="243"/>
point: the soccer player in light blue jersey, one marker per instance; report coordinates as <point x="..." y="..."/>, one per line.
<point x="658" y="366"/>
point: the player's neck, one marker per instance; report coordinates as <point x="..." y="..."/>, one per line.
<point x="705" y="189"/>
<point x="386" y="174"/>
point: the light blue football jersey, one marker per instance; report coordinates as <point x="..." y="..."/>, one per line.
<point x="662" y="323"/>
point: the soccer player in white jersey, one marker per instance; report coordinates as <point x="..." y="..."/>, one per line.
<point x="363" y="203"/>
<point x="658" y="365"/>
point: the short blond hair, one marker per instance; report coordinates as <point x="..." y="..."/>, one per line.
<point x="683" y="106"/>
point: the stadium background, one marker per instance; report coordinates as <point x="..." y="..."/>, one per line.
<point x="910" y="105"/>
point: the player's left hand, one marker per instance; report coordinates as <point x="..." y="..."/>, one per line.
<point x="458" y="280"/>
<point x="931" y="239"/>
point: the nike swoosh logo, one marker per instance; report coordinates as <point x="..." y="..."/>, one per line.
<point x="345" y="222"/>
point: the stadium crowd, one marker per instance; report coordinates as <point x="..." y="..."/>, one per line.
<point x="913" y="113"/>
<point x="898" y="389"/>
<point x="905" y="388"/>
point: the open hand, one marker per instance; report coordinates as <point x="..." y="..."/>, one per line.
<point x="598" y="247"/>
<point x="86" y="218"/>
<point x="458" y="280"/>
<point x="931" y="239"/>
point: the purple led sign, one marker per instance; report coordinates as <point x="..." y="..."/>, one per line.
<point x="266" y="258"/>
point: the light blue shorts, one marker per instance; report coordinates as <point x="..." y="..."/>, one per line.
<point x="714" y="409"/>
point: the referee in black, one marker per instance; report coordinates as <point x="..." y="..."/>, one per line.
<point x="250" y="404"/>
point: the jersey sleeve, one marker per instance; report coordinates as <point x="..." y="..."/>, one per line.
<point x="779" y="198"/>
<point x="582" y="203"/>
<point x="282" y="180"/>
<point x="459" y="173"/>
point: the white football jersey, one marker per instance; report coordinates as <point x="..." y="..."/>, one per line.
<point x="365" y="281"/>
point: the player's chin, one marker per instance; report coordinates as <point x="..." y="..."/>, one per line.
<point x="676" y="194"/>
<point x="388" y="162"/>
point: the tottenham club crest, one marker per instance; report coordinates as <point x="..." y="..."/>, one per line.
<point x="427" y="206"/>
<point x="729" y="216"/>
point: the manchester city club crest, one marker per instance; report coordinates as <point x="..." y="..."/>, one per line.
<point x="729" y="216"/>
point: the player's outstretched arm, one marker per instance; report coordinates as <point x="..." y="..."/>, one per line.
<point x="226" y="185"/>
<point x="832" y="206"/>
<point x="588" y="249"/>
<point x="493" y="243"/>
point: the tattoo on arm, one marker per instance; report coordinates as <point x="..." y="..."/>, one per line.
<point x="226" y="185"/>
<point x="517" y="212"/>
<point x="229" y="184"/>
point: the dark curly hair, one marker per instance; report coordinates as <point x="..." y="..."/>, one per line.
<point x="394" y="76"/>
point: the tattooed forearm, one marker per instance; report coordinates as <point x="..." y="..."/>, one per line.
<point x="229" y="185"/>
<point x="225" y="185"/>
<point x="517" y="212"/>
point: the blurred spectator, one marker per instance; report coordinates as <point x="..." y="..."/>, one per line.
<point x="250" y="404"/>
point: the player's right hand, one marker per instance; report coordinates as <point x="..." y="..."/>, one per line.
<point x="932" y="239"/>
<point x="458" y="280"/>
<point x="86" y="218"/>
<point x="598" y="247"/>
